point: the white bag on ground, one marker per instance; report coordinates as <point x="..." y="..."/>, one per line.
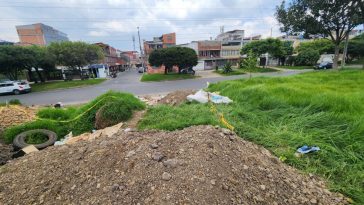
<point x="203" y="97"/>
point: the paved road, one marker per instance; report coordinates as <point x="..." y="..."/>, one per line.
<point x="127" y="82"/>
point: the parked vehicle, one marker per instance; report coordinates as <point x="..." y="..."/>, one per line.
<point x="15" y="87"/>
<point x="324" y="65"/>
<point x="188" y="71"/>
<point x="142" y="70"/>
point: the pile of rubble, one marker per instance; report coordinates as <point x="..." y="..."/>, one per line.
<point x="197" y="165"/>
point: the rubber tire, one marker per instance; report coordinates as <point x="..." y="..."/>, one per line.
<point x="16" y="92"/>
<point x="19" y="140"/>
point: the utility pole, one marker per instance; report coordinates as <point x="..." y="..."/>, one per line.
<point x="141" y="51"/>
<point x="133" y="42"/>
<point x="271" y="32"/>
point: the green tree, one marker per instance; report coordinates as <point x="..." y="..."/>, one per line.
<point x="42" y="59"/>
<point x="321" y="45"/>
<point x="329" y="18"/>
<point x="249" y="64"/>
<point x="307" y="57"/>
<point x="75" y="55"/>
<point x="356" y="47"/>
<point x="273" y="47"/>
<point x="173" y="56"/>
<point x="13" y="59"/>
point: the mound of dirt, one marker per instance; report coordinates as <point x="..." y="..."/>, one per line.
<point x="197" y="165"/>
<point x="176" y="97"/>
<point x="12" y="115"/>
<point x="15" y="114"/>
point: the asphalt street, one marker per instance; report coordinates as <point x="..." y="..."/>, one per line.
<point x="128" y="81"/>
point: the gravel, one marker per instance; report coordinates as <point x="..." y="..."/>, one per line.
<point x="198" y="166"/>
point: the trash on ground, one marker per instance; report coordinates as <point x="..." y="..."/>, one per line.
<point x="307" y="149"/>
<point x="107" y="132"/>
<point x="203" y="97"/>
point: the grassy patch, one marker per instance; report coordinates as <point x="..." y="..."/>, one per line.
<point x="163" y="77"/>
<point x="320" y="108"/>
<point x="36" y="138"/>
<point x="295" y="67"/>
<point x="243" y="71"/>
<point x="64" y="84"/>
<point x="11" y="102"/>
<point x="77" y="119"/>
<point x="234" y="72"/>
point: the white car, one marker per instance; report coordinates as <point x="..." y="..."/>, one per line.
<point x="15" y="87"/>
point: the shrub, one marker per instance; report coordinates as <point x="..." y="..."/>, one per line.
<point x="11" y="102"/>
<point x="82" y="119"/>
<point x="112" y="113"/>
<point x="227" y="68"/>
<point x="307" y="57"/>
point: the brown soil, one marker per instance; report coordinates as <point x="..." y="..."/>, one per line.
<point x="12" y="115"/>
<point x="15" y="114"/>
<point x="176" y="98"/>
<point x="197" y="165"/>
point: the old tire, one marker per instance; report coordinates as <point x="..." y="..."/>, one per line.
<point x="19" y="140"/>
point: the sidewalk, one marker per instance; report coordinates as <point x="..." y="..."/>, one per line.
<point x="207" y="74"/>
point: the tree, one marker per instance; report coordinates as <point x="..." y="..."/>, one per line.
<point x="356" y="47"/>
<point x="173" y="56"/>
<point x="14" y="59"/>
<point x="273" y="47"/>
<point x="249" y="64"/>
<point x="321" y="45"/>
<point x="307" y="57"/>
<point x="42" y="59"/>
<point x="333" y="18"/>
<point x="75" y="55"/>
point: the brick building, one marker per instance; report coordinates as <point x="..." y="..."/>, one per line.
<point x="39" y="34"/>
<point x="164" y="41"/>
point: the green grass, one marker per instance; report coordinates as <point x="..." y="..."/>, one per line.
<point x="11" y="102"/>
<point x="322" y="108"/>
<point x="163" y="77"/>
<point x="77" y="119"/>
<point x="234" y="72"/>
<point x="36" y="138"/>
<point x="64" y="84"/>
<point x="295" y="67"/>
<point x="243" y="71"/>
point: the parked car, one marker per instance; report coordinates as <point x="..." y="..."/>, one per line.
<point x="324" y="65"/>
<point x="188" y="71"/>
<point x="142" y="70"/>
<point x="15" y="87"/>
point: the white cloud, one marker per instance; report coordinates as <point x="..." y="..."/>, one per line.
<point x="115" y="21"/>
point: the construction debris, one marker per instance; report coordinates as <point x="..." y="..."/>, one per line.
<point x="197" y="165"/>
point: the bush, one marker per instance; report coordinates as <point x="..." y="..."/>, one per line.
<point x="11" y="102"/>
<point x="227" y="68"/>
<point x="112" y="113"/>
<point x="82" y="119"/>
<point x="57" y="114"/>
<point x="307" y="57"/>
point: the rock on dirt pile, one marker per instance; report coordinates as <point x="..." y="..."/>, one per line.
<point x="197" y="165"/>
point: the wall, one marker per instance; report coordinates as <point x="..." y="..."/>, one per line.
<point x="160" y="69"/>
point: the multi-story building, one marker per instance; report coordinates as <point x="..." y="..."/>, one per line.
<point x="134" y="58"/>
<point x="164" y="41"/>
<point x="39" y="34"/>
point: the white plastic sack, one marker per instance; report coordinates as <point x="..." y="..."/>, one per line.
<point x="203" y="97"/>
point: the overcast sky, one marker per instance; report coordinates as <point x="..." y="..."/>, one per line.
<point x="115" y="21"/>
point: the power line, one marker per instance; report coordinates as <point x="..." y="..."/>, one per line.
<point x="123" y="8"/>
